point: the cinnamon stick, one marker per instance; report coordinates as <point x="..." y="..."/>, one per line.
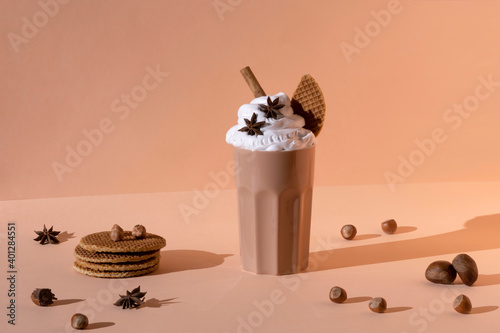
<point x="252" y="82"/>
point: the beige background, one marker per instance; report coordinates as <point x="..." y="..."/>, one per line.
<point x="67" y="73"/>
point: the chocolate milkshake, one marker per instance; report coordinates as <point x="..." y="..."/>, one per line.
<point x="274" y="146"/>
<point x="274" y="158"/>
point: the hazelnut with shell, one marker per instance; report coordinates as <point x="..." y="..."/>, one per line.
<point x="139" y="231"/>
<point x="462" y="304"/>
<point x="389" y="226"/>
<point x="348" y="231"/>
<point x="79" y="321"/>
<point x="117" y="233"/>
<point x="338" y="295"/>
<point x="378" y="304"/>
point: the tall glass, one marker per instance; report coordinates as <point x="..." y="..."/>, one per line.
<point x="274" y="191"/>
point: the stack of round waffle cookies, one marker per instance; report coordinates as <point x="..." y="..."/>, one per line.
<point x="97" y="255"/>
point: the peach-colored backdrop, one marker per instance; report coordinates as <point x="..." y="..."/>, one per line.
<point x="144" y="91"/>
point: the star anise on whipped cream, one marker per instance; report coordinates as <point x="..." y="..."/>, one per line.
<point x="252" y="127"/>
<point x="271" y="109"/>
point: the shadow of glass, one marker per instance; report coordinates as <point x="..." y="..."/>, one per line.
<point x="156" y="303"/>
<point x="64" y="236"/>
<point x="184" y="260"/>
<point x="405" y="229"/>
<point x="480" y="233"/>
<point x="398" y="309"/>
<point x="359" y="299"/>
<point x="483" y="309"/>
<point x="66" y="301"/>
<point x="365" y="236"/>
<point x="102" y="324"/>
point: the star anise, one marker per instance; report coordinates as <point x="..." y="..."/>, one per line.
<point x="252" y="127"/>
<point x="43" y="296"/>
<point x="47" y="236"/>
<point x="272" y="108"/>
<point x="132" y="299"/>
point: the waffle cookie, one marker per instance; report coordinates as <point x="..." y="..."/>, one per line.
<point x="123" y="267"/>
<point x="308" y="102"/>
<point x="114" y="274"/>
<point x="97" y="255"/>
<point x="102" y="242"/>
<point x="112" y="257"/>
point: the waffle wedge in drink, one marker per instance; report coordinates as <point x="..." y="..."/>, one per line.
<point x="308" y="102"/>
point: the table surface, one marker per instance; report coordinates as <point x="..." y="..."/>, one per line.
<point x="200" y="287"/>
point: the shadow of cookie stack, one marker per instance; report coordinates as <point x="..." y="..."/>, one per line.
<point x="99" y="256"/>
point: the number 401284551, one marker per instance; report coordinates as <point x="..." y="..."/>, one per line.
<point x="11" y="245"/>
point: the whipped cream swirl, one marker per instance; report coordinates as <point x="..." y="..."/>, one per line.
<point x="284" y="133"/>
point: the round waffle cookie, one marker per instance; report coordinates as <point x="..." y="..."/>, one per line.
<point x="110" y="257"/>
<point x="114" y="274"/>
<point x="101" y="242"/>
<point x="120" y="267"/>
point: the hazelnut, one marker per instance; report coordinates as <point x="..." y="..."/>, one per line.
<point x="117" y="233"/>
<point x="338" y="295"/>
<point x="378" y="304"/>
<point x="139" y="231"/>
<point x="462" y="304"/>
<point x="348" y="231"/>
<point x="466" y="268"/>
<point x="389" y="226"/>
<point x="441" y="271"/>
<point x="79" y="321"/>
